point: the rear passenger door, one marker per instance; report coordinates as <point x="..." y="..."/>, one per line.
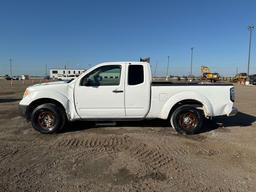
<point x="137" y="92"/>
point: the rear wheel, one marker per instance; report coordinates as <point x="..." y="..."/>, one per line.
<point x="48" y="118"/>
<point x="187" y="119"/>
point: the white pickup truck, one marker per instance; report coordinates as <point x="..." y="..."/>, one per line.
<point x="116" y="91"/>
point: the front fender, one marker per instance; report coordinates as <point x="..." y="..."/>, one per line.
<point x="186" y="95"/>
<point x="54" y="95"/>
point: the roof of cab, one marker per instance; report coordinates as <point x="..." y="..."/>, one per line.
<point x="125" y="62"/>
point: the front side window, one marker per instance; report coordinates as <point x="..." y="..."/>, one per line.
<point x="135" y="74"/>
<point x="102" y="76"/>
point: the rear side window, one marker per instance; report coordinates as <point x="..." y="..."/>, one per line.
<point x="135" y="74"/>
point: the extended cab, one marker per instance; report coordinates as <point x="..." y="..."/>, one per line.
<point x="116" y="91"/>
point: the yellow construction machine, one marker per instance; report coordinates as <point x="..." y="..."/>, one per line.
<point x="207" y="75"/>
<point x="240" y="77"/>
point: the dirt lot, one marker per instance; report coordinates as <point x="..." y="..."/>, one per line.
<point x="140" y="156"/>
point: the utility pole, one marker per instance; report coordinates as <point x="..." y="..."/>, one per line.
<point x="167" y="71"/>
<point x="46" y="70"/>
<point x="191" y="62"/>
<point x="10" y="60"/>
<point x="155" y="68"/>
<point x="250" y="28"/>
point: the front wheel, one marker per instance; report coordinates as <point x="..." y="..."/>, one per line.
<point x="187" y="119"/>
<point x="48" y="118"/>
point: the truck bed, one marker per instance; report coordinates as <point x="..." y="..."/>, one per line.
<point x="169" y="83"/>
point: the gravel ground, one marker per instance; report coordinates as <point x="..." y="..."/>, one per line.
<point x="137" y="156"/>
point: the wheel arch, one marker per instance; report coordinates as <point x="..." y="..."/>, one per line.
<point x="190" y="102"/>
<point x="41" y="101"/>
<point x="186" y="98"/>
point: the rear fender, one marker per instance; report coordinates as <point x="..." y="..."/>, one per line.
<point x="186" y="95"/>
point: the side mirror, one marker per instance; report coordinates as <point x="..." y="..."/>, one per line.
<point x="89" y="82"/>
<point x="86" y="82"/>
<point x="97" y="78"/>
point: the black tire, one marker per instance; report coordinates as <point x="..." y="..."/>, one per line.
<point x="187" y="119"/>
<point x="48" y="118"/>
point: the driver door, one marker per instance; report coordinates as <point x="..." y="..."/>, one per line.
<point x="100" y="93"/>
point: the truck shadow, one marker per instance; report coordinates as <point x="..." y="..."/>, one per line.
<point x="85" y="125"/>
<point x="240" y="120"/>
<point x="8" y="100"/>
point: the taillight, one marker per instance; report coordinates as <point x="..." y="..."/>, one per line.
<point x="232" y="94"/>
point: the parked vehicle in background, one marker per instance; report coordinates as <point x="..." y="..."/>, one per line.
<point x="7" y="77"/>
<point x="240" y="77"/>
<point x="252" y="79"/>
<point x="22" y="77"/>
<point x="15" y="78"/>
<point x="116" y="91"/>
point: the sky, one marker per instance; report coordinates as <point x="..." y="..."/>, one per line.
<point x="83" y="33"/>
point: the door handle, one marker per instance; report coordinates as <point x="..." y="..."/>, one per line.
<point x="118" y="91"/>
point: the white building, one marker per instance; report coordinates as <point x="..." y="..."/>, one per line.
<point x="65" y="74"/>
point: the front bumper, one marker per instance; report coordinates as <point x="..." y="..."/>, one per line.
<point x="233" y="112"/>
<point x="23" y="110"/>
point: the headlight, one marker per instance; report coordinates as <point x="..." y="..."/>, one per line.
<point x="232" y="94"/>
<point x="26" y="93"/>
